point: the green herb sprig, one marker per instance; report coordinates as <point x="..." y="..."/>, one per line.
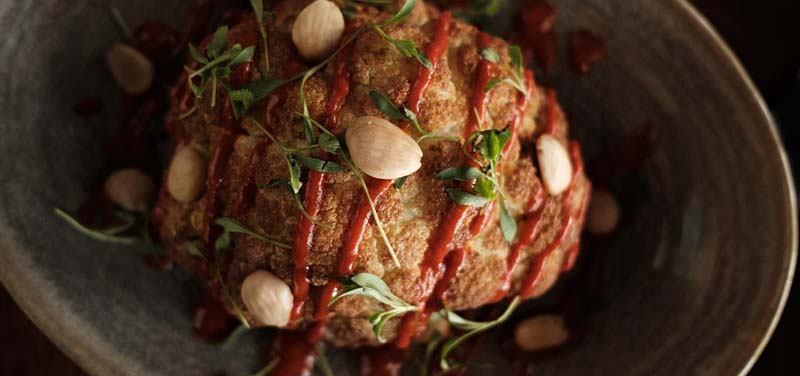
<point x="216" y="66"/>
<point x="130" y="223"/>
<point x="472" y="327"/>
<point x="258" y="9"/>
<point x="517" y="79"/>
<point x="480" y="10"/>
<point x="372" y="286"/>
<point x="486" y="187"/>
<point x="232" y="226"/>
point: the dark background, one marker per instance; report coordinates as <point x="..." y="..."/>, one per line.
<point x="765" y="34"/>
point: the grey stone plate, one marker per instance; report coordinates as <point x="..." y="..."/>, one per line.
<point x="700" y="269"/>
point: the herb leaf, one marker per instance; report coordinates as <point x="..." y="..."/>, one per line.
<point x="263" y="87"/>
<point x="141" y="244"/>
<point x="217" y="42"/>
<point x="490" y="55"/>
<point x="467" y="199"/>
<point x="398" y="183"/>
<point x="233" y="226"/>
<point x="401" y="14"/>
<point x="461" y="173"/>
<point x="386" y="106"/>
<point x="485" y="187"/>
<point x="245" y="55"/>
<point x="473" y="328"/>
<point x="516" y="58"/>
<point x="196" y="55"/>
<point x="372" y="286"/>
<point x="328" y="143"/>
<point x="320" y="165"/>
<point x="507" y="224"/>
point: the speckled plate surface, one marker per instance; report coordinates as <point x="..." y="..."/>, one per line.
<point x="699" y="272"/>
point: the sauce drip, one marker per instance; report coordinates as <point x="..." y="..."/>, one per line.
<point x="567" y="220"/>
<point x="385" y="360"/>
<point x="295" y="354"/>
<point x="355" y="233"/>
<point x="537" y="30"/>
<point x="315" y="190"/>
<point x="430" y="269"/>
<point x="585" y="49"/>
<point x="376" y="187"/>
<point x="216" y="177"/>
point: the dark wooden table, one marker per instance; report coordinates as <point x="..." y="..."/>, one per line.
<point x="765" y="36"/>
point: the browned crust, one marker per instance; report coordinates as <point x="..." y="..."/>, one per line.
<point x="410" y="215"/>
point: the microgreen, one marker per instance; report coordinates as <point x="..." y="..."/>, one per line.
<point x="467" y="199"/>
<point x="120" y="21"/>
<point x="486" y="184"/>
<point x="284" y="183"/>
<point x="517" y="79"/>
<point x="401" y="14"/>
<point x="434" y="342"/>
<point x="215" y="270"/>
<point x="389" y="109"/>
<point x="215" y="68"/>
<point x="130" y="223"/>
<point x="234" y="335"/>
<point x="258" y="9"/>
<point x="490" y="55"/>
<point x="473" y="328"/>
<point x="480" y="10"/>
<point x="398" y="183"/>
<point x="406" y="47"/>
<point x="372" y="286"/>
<point x="233" y="226"/>
<point x="320" y="165"/>
<point x="322" y="361"/>
<point x="268" y="368"/>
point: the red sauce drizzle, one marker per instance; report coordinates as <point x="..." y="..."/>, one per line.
<point x="585" y="49"/>
<point x="355" y="233"/>
<point x="304" y="238"/>
<point x="295" y="354"/>
<point x="537" y="31"/>
<point x="550" y="111"/>
<point x="304" y="235"/>
<point x="216" y="176"/>
<point x="385" y="360"/>
<point x="532" y="278"/>
<point x="437" y="249"/>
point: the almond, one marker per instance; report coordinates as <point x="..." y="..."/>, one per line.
<point x="318" y="29"/>
<point x="603" y="215"/>
<point x="382" y="150"/>
<point x="541" y="332"/>
<point x="554" y="164"/>
<point x="132" y="71"/>
<point x="131" y="189"/>
<point x="187" y="174"/>
<point x="267" y="298"/>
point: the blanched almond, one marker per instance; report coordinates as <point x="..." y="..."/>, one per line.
<point x="541" y="332"/>
<point x="131" y="189"/>
<point x="554" y="164"/>
<point x="132" y="71"/>
<point x="603" y="214"/>
<point x="382" y="150"/>
<point x="268" y="298"/>
<point x="318" y="29"/>
<point x="187" y="174"/>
